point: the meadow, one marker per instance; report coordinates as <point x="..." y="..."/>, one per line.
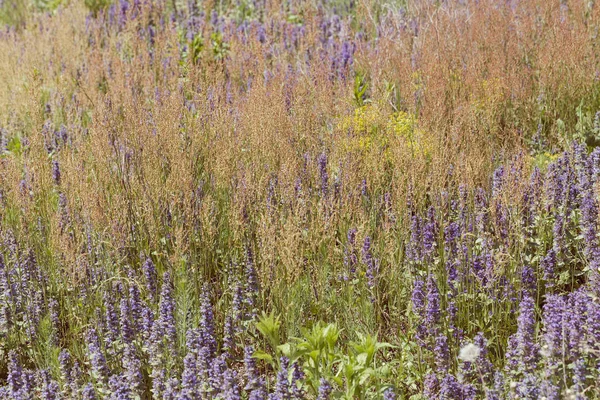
<point x="284" y="199"/>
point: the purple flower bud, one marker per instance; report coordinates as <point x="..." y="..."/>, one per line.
<point x="49" y="387"/>
<point x="389" y="394"/>
<point x="189" y="377"/>
<point x="56" y="172"/>
<point x="97" y="359"/>
<point x="431" y="386"/>
<point x="88" y="392"/>
<point x="371" y="267"/>
<point x="133" y="372"/>
<point x="442" y="354"/>
<point x="15" y="374"/>
<point x="151" y="277"/>
<point x="230" y="389"/>
<point x="325" y="390"/>
<point x="432" y="313"/>
<point x="418" y="303"/>
<point x="282" y="386"/>
<point x="166" y="312"/>
<point x="207" y="327"/>
<point x="119" y="390"/>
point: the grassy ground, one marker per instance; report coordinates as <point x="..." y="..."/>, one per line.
<point x="391" y="199"/>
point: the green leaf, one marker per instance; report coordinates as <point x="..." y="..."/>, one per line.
<point x="261" y="355"/>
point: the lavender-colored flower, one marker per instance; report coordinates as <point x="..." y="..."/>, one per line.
<point x="282" y="386"/>
<point x="497" y="391"/>
<point x="75" y="378"/>
<point x="49" y="388"/>
<point x="228" y="336"/>
<point x="118" y="388"/>
<point x="442" y="354"/>
<point x="554" y="327"/>
<point x="15" y="374"/>
<point x="171" y="391"/>
<point x="237" y="306"/>
<point x="296" y="384"/>
<point x="485" y="367"/>
<point x="528" y="388"/>
<point x="56" y="172"/>
<point x="432" y="311"/>
<point x="64" y="362"/>
<point x="151" y="277"/>
<point x="548" y="265"/>
<point x="111" y="331"/>
<point x="325" y="390"/>
<point x="217" y="372"/>
<point x="230" y="389"/>
<point x="189" y="377"/>
<point x="451" y="388"/>
<point x="418" y="303"/>
<point x="253" y="381"/>
<point x="370" y="263"/>
<point x="88" y="392"/>
<point x="526" y="345"/>
<point x="529" y="281"/>
<point x="126" y="323"/>
<point x="97" y="359"/>
<point x="431" y="386"/>
<point x="481" y="211"/>
<point x="497" y="181"/>
<point x="166" y="312"/>
<point x="207" y="327"/>
<point x="133" y="372"/>
<point x="389" y="394"/>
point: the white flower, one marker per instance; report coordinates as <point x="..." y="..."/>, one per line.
<point x="469" y="353"/>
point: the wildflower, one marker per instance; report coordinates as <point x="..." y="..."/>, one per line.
<point x="389" y="394"/>
<point x="88" y="392"/>
<point x="189" y="377"/>
<point x="418" y="303"/>
<point x="432" y="312"/>
<point x="207" y="327"/>
<point x="56" y="172"/>
<point x="469" y="353"/>
<point x="111" y="331"/>
<point x="325" y="390"/>
<point x="442" y="353"/>
<point x="132" y="366"/>
<point x="166" y="312"/>
<point x="431" y="386"/>
<point x="282" y="387"/>
<point x="370" y="263"/>
<point x="15" y="374"/>
<point x="231" y="390"/>
<point x="451" y="388"/>
<point x="97" y="359"/>
<point x="150" y="275"/>
<point x="296" y="384"/>
<point x="527" y="349"/>
<point x="49" y="387"/>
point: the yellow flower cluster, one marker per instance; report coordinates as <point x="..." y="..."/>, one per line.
<point x="372" y="129"/>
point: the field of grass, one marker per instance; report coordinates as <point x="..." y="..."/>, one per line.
<point x="284" y="199"/>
